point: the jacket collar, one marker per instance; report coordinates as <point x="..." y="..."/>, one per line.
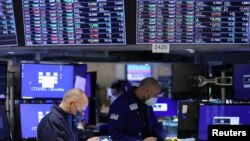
<point x="59" y="112"/>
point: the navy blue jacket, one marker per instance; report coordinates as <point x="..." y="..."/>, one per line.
<point x="57" y="126"/>
<point x="125" y="121"/>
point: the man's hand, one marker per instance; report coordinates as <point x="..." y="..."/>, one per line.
<point x="150" y="139"/>
<point x="171" y="139"/>
<point x="93" y="139"/>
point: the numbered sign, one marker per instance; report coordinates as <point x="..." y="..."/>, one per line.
<point x="160" y="48"/>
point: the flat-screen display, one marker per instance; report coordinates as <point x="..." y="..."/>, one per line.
<point x="187" y="118"/>
<point x="193" y="21"/>
<point x="88" y="85"/>
<point x="50" y="80"/>
<point x="29" y="123"/>
<point x="165" y="107"/>
<point x="183" y="83"/>
<point x="221" y="115"/>
<point x="4" y="124"/>
<point x="37" y="112"/>
<point x="241" y="81"/>
<point x="8" y="35"/>
<point x="74" y="22"/>
<point x="137" y="72"/>
<point x="3" y="80"/>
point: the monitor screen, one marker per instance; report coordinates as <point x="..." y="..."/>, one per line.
<point x="241" y="81"/>
<point x="195" y="21"/>
<point x="50" y="80"/>
<point x="3" y="80"/>
<point x="37" y="112"/>
<point x="4" y="124"/>
<point x="74" y="22"/>
<point x="29" y="123"/>
<point x="183" y="84"/>
<point x="88" y="85"/>
<point x="221" y="114"/>
<point x="8" y="35"/>
<point x="165" y="107"/>
<point x="187" y="118"/>
<point x="137" y="72"/>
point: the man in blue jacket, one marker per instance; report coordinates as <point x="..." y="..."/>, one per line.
<point x="60" y="123"/>
<point x="131" y="116"/>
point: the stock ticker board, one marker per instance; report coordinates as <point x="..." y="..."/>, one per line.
<point x="193" y="21"/>
<point x="7" y="24"/>
<point x="74" y="22"/>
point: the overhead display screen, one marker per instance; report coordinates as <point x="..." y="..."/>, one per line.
<point x="74" y="22"/>
<point x="193" y="21"/>
<point x="7" y="24"/>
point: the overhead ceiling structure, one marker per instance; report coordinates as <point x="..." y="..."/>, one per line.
<point x="178" y="53"/>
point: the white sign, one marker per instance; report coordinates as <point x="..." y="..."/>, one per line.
<point x="160" y="48"/>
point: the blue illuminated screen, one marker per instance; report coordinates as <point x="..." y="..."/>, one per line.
<point x="49" y="80"/>
<point x="29" y="123"/>
<point x="36" y="112"/>
<point x="3" y="80"/>
<point x="46" y="81"/>
<point x="221" y="114"/>
<point x="165" y="107"/>
<point x="88" y="85"/>
<point x="241" y="79"/>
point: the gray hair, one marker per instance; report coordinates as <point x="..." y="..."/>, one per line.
<point x="76" y="94"/>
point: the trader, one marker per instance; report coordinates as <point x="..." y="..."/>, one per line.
<point x="60" y="123"/>
<point x="131" y="116"/>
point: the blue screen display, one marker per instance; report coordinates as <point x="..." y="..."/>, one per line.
<point x="221" y="114"/>
<point x="165" y="107"/>
<point x="37" y="112"/>
<point x="49" y="80"/>
<point x="3" y="80"/>
<point x="241" y="79"/>
<point x="88" y="85"/>
<point x="4" y="126"/>
<point x="29" y="123"/>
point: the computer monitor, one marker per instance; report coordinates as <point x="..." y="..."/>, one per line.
<point x="165" y="107"/>
<point x="31" y="115"/>
<point x="50" y="81"/>
<point x="4" y="124"/>
<point x="90" y="87"/>
<point x="3" y="80"/>
<point x="221" y="114"/>
<point x="183" y="83"/>
<point x="187" y="118"/>
<point x="137" y="72"/>
<point x="29" y="123"/>
<point x="241" y="81"/>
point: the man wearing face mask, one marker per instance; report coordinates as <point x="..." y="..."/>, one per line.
<point x="117" y="89"/>
<point x="61" y="123"/>
<point x="131" y="116"/>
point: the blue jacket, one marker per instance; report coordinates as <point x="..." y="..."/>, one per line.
<point x="125" y="121"/>
<point x="57" y="126"/>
